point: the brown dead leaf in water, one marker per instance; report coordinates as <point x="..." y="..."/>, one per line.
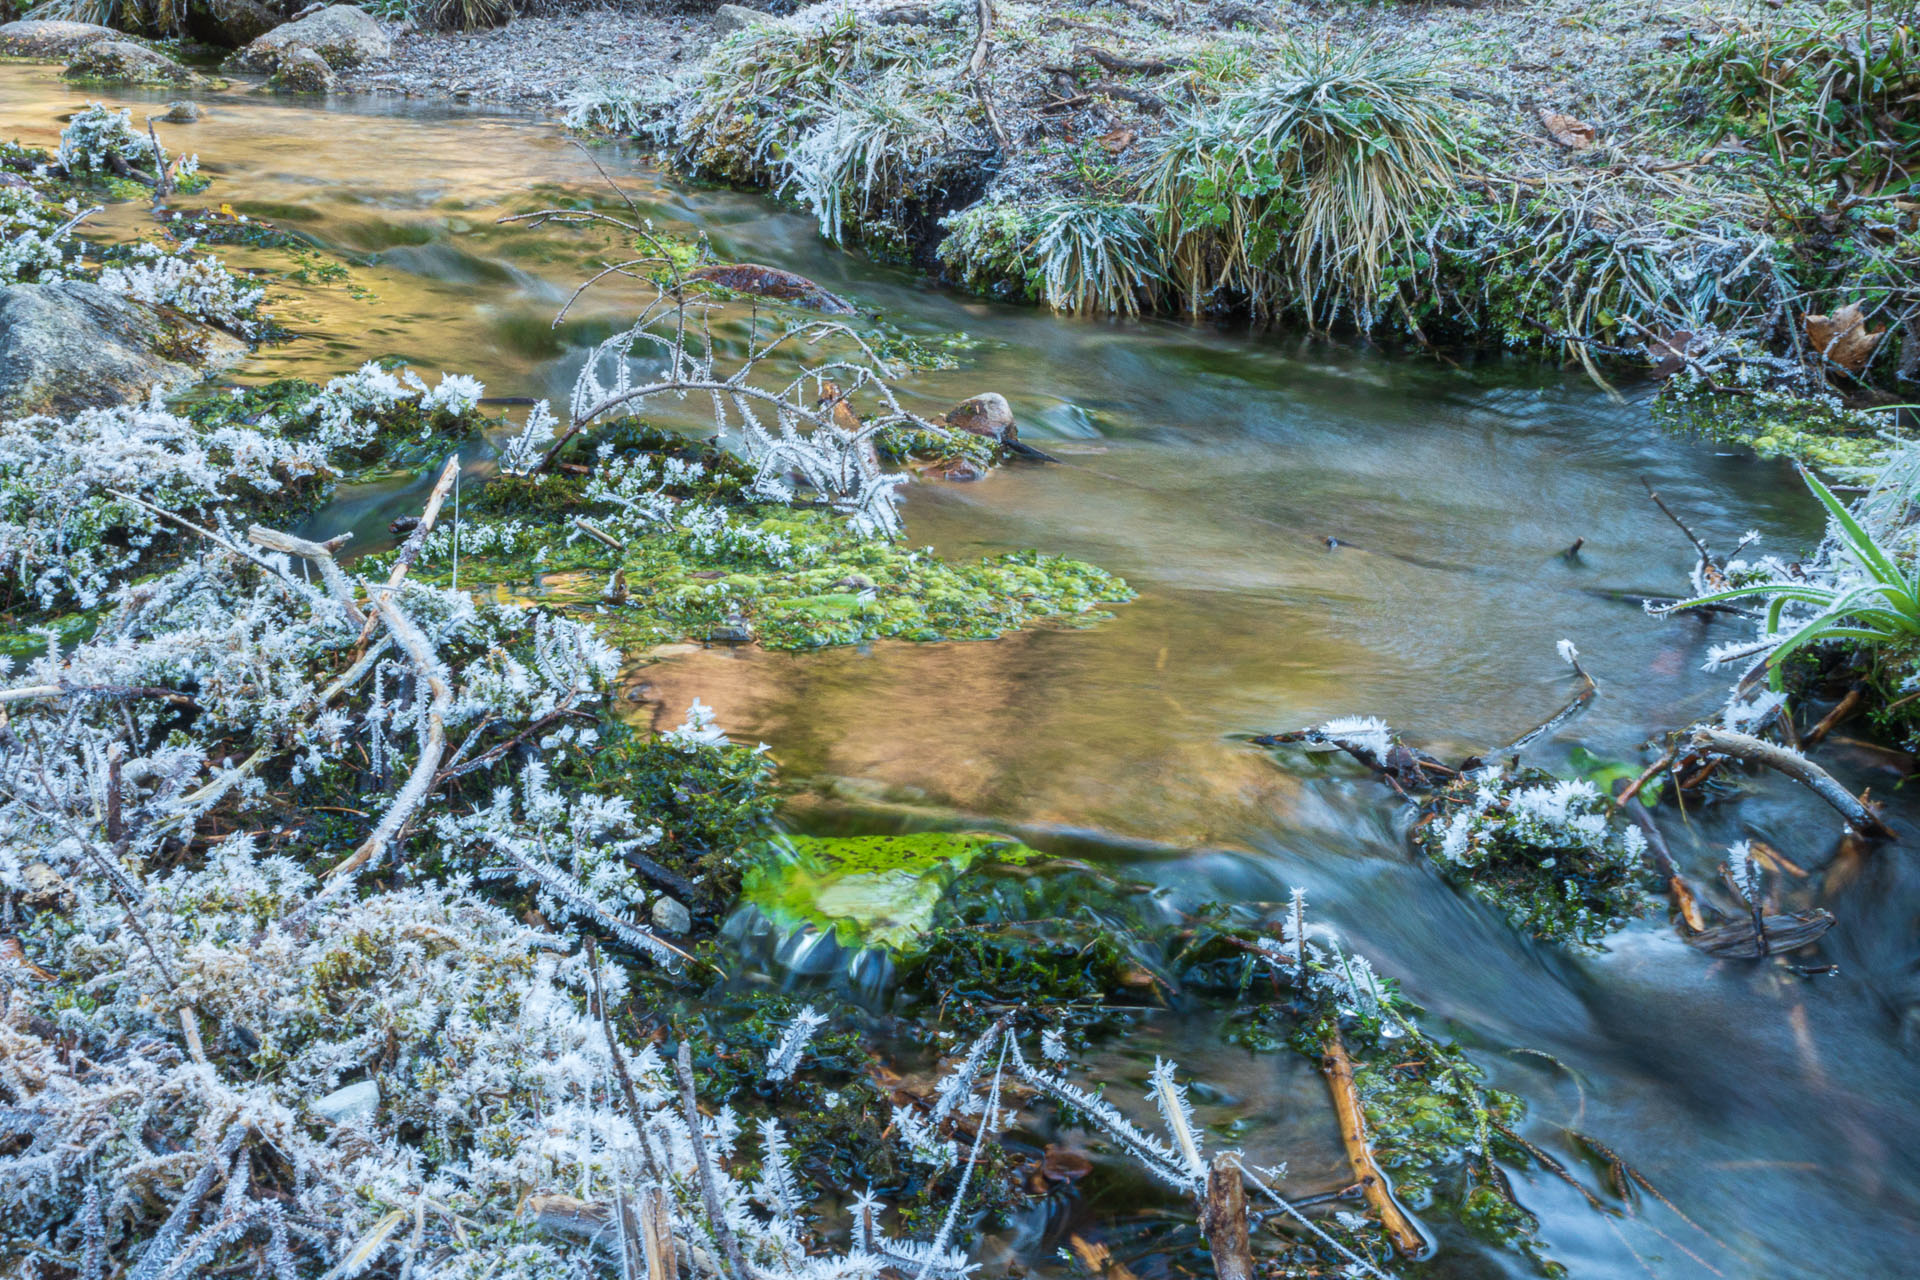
<point x="1574" y="135"/>
<point x="1843" y="337"/>
<point x="1063" y="1164"/>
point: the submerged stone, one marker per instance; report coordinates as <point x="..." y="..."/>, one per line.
<point x="772" y="282"/>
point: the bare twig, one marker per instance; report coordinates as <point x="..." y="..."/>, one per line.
<point x="1746" y="747"/>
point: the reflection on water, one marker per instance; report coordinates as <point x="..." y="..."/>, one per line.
<point x="1313" y="530"/>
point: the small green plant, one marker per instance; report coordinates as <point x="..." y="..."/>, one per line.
<point x="1861" y="594"/>
<point x="1831" y="97"/>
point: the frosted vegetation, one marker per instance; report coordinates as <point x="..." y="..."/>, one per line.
<point x="1382" y="172"/>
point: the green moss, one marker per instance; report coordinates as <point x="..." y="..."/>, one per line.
<point x="1821" y="432"/>
<point x="1552" y="856"/>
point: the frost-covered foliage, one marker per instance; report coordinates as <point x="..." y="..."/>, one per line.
<point x="803" y="429"/>
<point x="1551" y="854"/>
<point x="306" y="1072"/>
<point x="865" y="151"/>
<point x="98" y="140"/>
<point x="71" y="491"/>
<point x="350" y="411"/>
<point x="638" y="487"/>
<point x="199" y="286"/>
<point x="1088" y="256"/>
<point x="33" y="236"/>
<point x="626" y="109"/>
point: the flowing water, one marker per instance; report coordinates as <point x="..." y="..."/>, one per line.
<point x="1212" y="468"/>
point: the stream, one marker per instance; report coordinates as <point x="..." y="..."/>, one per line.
<point x="1211" y="467"/>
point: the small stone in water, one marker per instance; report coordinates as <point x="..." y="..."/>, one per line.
<point x="669" y="916"/>
<point x="181" y="113"/>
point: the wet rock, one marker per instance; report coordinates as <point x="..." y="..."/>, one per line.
<point x="990" y="417"/>
<point x="301" y="71"/>
<point x="986" y="415"/>
<point x="342" y="34"/>
<point x="734" y="630"/>
<point x="350" y="1102"/>
<point x="772" y="282"/>
<point x="232" y="24"/>
<point x="181" y="113"/>
<point x="72" y="345"/>
<point x="671" y="916"/>
<point x="124" y="62"/>
<point x="737" y="17"/>
<point x="34" y="38"/>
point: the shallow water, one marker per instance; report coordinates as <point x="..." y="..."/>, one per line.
<point x="1211" y="468"/>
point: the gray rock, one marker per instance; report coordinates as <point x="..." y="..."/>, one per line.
<point x="232" y="24"/>
<point x="181" y="113"/>
<point x="124" y="62"/>
<point x="301" y="71"/>
<point x="349" y="1102"/>
<point x="72" y="345"/>
<point x="342" y="34"/>
<point x="34" y="38"/>
<point x="737" y="17"/>
<point x="669" y="916"/>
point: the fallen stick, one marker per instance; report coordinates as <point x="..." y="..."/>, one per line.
<point x="1746" y="747"/>
<point x="1847" y="706"/>
<point x="414" y="644"/>
<point x="321" y="554"/>
<point x="1338" y="1068"/>
<point x="1223" y="1220"/>
<point x="417" y="540"/>
<point x="598" y="534"/>
<point x="735" y="1269"/>
<point x="1663" y="864"/>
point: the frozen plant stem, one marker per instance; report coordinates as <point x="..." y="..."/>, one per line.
<point x="709" y="1188"/>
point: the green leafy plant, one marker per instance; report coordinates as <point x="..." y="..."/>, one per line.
<point x="1865" y="595"/>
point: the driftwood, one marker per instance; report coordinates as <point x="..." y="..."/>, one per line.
<point x="1223" y="1220"/>
<point x="1120" y="66"/>
<point x="1741" y="940"/>
<point x="1742" y="746"/>
<point x="1400" y="1228"/>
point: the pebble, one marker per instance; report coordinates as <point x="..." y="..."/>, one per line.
<point x="350" y="1102"/>
<point x="670" y="916"/>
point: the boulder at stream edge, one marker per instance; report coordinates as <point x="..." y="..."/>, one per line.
<point x="124" y="62"/>
<point x="35" y="38"/>
<point x="72" y="345"/>
<point x="342" y="34"/>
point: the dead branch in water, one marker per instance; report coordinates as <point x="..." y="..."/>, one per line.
<point x="1742" y="746"/>
<point x="1223" y="1220"/>
<point x="1338" y="1068"/>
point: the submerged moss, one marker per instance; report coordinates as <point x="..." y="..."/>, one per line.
<point x="1819" y="431"/>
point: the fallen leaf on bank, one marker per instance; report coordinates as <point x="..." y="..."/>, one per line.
<point x="12" y="951"/>
<point x="1574" y="135"/>
<point x="1669" y="352"/>
<point x="1114" y="141"/>
<point x="1843" y="337"/>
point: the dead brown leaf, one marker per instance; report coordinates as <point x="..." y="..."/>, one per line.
<point x="1114" y="141"/>
<point x="1574" y="135"/>
<point x="1843" y="337"/>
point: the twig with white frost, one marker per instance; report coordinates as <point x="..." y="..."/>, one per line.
<point x="1743" y="746"/>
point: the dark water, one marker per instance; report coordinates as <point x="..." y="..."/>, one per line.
<point x="1210" y="469"/>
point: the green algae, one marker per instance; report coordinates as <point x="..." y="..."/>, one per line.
<point x="867" y="891"/>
